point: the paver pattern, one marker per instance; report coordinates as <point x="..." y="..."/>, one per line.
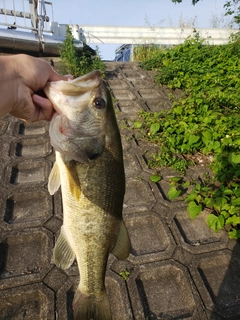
<point x="179" y="269"/>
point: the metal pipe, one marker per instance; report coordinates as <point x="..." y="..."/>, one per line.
<point x="27" y="42"/>
<point x="20" y="14"/>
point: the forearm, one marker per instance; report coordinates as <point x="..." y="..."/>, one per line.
<point x="8" y="85"/>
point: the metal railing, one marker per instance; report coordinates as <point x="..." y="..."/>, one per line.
<point x="15" y="15"/>
<point x="28" y="29"/>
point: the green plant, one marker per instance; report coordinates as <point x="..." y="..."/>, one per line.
<point x="204" y="120"/>
<point x="143" y="52"/>
<point x="124" y="274"/>
<point x="77" y="62"/>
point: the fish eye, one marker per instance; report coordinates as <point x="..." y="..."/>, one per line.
<point x="99" y="103"/>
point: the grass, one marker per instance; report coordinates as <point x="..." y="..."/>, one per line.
<point x="204" y="120"/>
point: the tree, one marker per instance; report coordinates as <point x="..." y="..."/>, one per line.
<point x="232" y="8"/>
<point x="179" y="1"/>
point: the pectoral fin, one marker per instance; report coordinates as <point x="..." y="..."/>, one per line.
<point x="54" y="179"/>
<point x="63" y="254"/>
<point x="122" y="247"/>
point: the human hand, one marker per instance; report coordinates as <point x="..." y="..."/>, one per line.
<point x="23" y="77"/>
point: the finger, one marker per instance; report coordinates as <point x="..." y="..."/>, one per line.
<point x="69" y="76"/>
<point x="54" y="76"/>
<point x="44" y="107"/>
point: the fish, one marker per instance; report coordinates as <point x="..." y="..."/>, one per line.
<point x="89" y="167"/>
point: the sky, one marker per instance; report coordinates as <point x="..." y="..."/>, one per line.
<point x="158" y="13"/>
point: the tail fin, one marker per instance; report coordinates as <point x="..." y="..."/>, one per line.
<point x="91" y="307"/>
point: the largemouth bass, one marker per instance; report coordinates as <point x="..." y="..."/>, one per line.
<point x="89" y="167"/>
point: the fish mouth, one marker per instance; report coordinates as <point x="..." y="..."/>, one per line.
<point x="58" y="90"/>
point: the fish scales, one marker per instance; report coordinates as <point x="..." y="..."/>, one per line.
<point x="89" y="168"/>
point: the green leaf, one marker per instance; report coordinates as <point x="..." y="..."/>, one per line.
<point x="124" y="274"/>
<point x="234" y="234"/>
<point x="234" y="158"/>
<point x="178" y="110"/>
<point x="154" y="128"/>
<point x="236" y="202"/>
<point x="209" y="202"/>
<point x="198" y="187"/>
<point x="186" y="184"/>
<point x="173" y="193"/>
<point x="216" y="145"/>
<point x="234" y="220"/>
<point x="214" y="222"/>
<point x="191" y="197"/>
<point x="194" y="209"/>
<point x="207" y="135"/>
<point x="155" y="178"/>
<point x="137" y="124"/>
<point x="225" y="214"/>
<point x="193" y="139"/>
<point x="227" y="192"/>
<point x="175" y="179"/>
<point x="166" y="62"/>
<point x="198" y="198"/>
<point x="226" y="141"/>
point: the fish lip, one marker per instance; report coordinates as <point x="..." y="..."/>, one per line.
<point x="90" y="75"/>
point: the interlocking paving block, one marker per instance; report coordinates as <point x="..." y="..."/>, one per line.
<point x="150" y="238"/>
<point x="129" y="67"/>
<point x="116" y="290"/>
<point x="55" y="278"/>
<point x="27" y="209"/>
<point x="217" y="277"/>
<point x="125" y="138"/>
<point x="163" y="187"/>
<point x="32" y="148"/>
<point x="158" y="104"/>
<point x="28" y="129"/>
<point x="53" y="224"/>
<point x="28" y="172"/>
<point x="118" y="296"/>
<point x="124" y="94"/>
<point x="149" y="93"/>
<point x="137" y="141"/>
<point x="130" y="108"/>
<point x="141" y="84"/>
<point x="131" y="165"/>
<point x="195" y="236"/>
<point x="143" y="154"/>
<point x="134" y="75"/>
<point x="118" y="84"/>
<point x="32" y="302"/>
<point x="138" y="195"/>
<point x="5" y="150"/>
<point x="113" y="71"/>
<point x="3" y="126"/>
<point x="57" y="203"/>
<point x="25" y="257"/>
<point x="163" y="290"/>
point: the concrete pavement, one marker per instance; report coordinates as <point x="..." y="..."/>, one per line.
<point x="177" y="269"/>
